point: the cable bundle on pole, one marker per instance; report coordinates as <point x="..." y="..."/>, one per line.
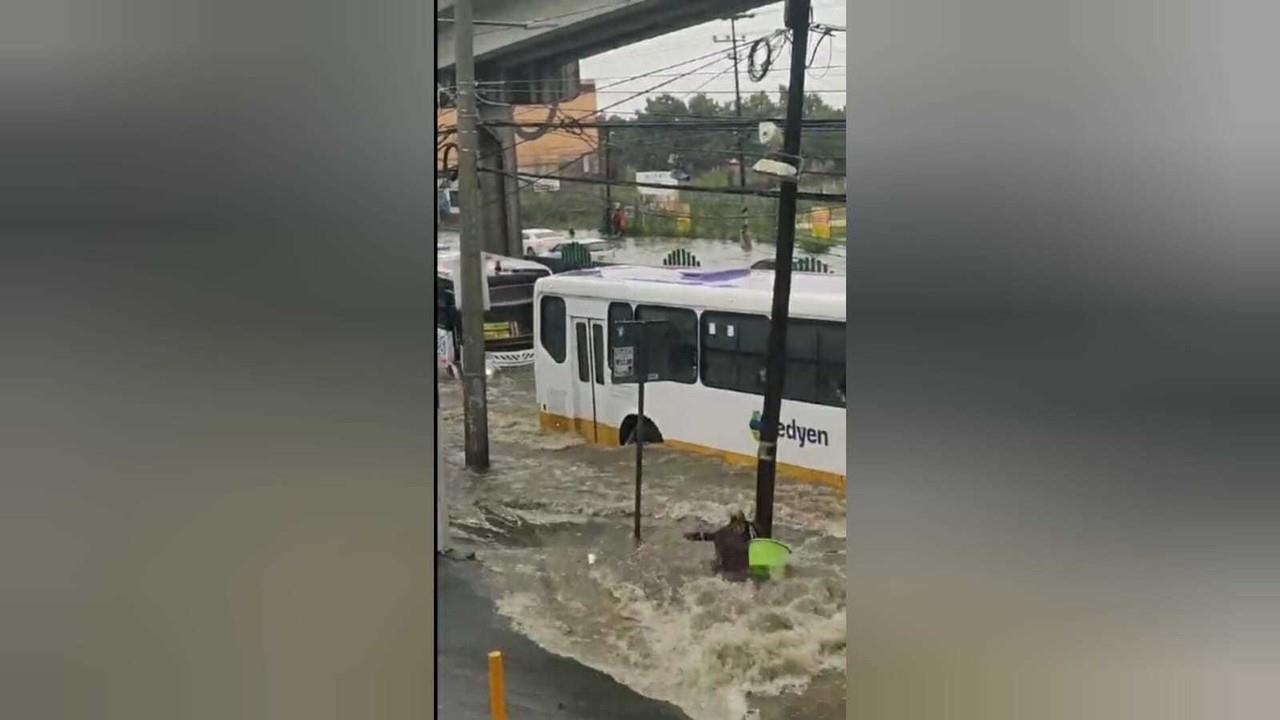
<point x="757" y="69"/>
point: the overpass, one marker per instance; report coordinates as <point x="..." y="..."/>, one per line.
<point x="544" y="31"/>
<point x="530" y="49"/>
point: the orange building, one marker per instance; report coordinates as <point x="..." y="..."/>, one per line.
<point x="559" y="152"/>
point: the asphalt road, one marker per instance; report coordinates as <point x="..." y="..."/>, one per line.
<point x="540" y="685"/>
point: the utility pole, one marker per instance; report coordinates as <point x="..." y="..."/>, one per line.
<point x="471" y="282"/>
<point x="737" y="88"/>
<point x="737" y="105"/>
<point x="608" y="178"/>
<point x="797" y="20"/>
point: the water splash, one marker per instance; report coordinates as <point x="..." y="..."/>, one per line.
<point x="657" y="621"/>
<point x="654" y="618"/>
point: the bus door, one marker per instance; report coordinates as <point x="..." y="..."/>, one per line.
<point x="588" y="374"/>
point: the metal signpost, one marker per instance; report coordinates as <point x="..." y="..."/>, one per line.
<point x="639" y="356"/>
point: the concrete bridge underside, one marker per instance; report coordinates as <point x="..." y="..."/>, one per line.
<point x="573" y="29"/>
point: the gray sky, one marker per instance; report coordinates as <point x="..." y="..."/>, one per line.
<point x="613" y="66"/>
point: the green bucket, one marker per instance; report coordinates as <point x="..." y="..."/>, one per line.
<point x="767" y="556"/>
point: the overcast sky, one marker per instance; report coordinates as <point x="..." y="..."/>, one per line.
<point x="659" y="52"/>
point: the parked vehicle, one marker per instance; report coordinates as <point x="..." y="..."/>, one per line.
<point x="595" y="246"/>
<point x="536" y="241"/>
<point x="508" y="323"/>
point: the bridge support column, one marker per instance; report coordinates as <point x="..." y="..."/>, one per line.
<point x="515" y="244"/>
<point x="499" y="190"/>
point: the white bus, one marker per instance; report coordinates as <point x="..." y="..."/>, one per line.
<point x="718" y="322"/>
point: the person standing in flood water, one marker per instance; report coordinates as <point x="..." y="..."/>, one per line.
<point x="731" y="542"/>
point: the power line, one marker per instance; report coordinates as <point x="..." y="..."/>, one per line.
<point x="577" y="120"/>
<point x="832" y="91"/>
<point x="576" y="126"/>
<point x="665" y="68"/>
<point x="503" y="196"/>
<point x="726" y="123"/>
<point x="622" y="78"/>
<point x="800" y="195"/>
<point x="570" y="114"/>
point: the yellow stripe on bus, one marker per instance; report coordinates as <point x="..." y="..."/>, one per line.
<point x="607" y="435"/>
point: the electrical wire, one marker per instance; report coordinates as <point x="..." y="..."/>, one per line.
<point x="623" y="78"/>
<point x="574" y="125"/>
<point x="629" y="98"/>
<point x="756" y="70"/>
<point x="502" y="198"/>
<point x="800" y="195"/>
<point x="809" y="65"/>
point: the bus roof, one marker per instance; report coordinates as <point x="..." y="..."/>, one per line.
<point x="736" y="289"/>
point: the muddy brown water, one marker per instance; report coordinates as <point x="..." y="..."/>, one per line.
<point x="655" y="617"/>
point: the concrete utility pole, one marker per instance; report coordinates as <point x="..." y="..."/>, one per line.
<point x="472" y="279"/>
<point x="442" y="499"/>
<point x="797" y="19"/>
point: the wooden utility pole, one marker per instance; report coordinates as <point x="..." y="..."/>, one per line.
<point x="797" y="20"/>
<point x="471" y="282"/>
<point x="737" y="105"/>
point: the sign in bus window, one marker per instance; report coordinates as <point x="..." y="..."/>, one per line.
<point x="618" y="312"/>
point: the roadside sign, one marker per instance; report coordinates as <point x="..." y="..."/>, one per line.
<point x="644" y="343"/>
<point x="624" y="362"/>
<point x="640" y="346"/>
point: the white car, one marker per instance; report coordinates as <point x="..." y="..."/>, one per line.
<point x="539" y="240"/>
<point x="595" y="246"/>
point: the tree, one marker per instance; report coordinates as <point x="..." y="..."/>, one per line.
<point x="700" y="151"/>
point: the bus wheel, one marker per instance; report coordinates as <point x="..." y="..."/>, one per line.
<point x="627" y="431"/>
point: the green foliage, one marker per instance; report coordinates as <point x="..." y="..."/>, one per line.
<point x="706" y="156"/>
<point x="699" y="152"/>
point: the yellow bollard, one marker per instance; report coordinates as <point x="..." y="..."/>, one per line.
<point x="497" y="692"/>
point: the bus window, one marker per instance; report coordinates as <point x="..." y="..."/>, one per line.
<point x="553" y="327"/>
<point x="733" y="351"/>
<point x="815" y="363"/>
<point x="584" y="362"/>
<point x="618" y="312"/>
<point x="831" y="356"/>
<point x="682" y="334"/>
<point x="802" y="362"/>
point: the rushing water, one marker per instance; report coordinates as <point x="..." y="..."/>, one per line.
<point x="655" y="618"/>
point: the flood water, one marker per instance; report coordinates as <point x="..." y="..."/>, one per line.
<point x="654" y="617"/>
<point x="711" y="253"/>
